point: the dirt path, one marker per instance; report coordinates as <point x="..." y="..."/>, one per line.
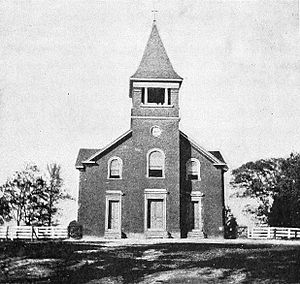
<point x="149" y="261"/>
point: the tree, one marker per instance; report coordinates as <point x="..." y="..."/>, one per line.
<point x="23" y="190"/>
<point x="258" y="180"/>
<point x="54" y="191"/>
<point x="286" y="206"/>
<point x="5" y="208"/>
<point x="275" y="185"/>
<point x="33" y="196"/>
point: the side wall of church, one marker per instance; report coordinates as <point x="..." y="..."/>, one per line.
<point x="93" y="185"/>
<point x="210" y="185"/>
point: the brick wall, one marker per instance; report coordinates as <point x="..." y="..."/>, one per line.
<point x="168" y="142"/>
<point x="211" y="185"/>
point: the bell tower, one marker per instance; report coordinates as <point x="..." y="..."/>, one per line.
<point x="154" y="90"/>
<point x="154" y="87"/>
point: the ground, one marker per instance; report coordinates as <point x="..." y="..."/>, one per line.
<point x="149" y="262"/>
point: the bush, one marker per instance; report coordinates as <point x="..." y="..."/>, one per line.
<point x="75" y="230"/>
<point x="231" y="225"/>
<point x="231" y="228"/>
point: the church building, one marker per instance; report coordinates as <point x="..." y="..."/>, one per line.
<point x="153" y="181"/>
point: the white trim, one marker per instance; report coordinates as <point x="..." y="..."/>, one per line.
<point x="79" y="167"/>
<point x="197" y="193"/>
<point x="198" y="169"/>
<point x="156" y="85"/>
<point x="109" y="165"/>
<point x="163" y="168"/>
<point x="145" y="95"/>
<point x="156" y="79"/>
<point x="196" y="196"/>
<point x="156" y="117"/>
<point x="166" y="97"/>
<point x="113" y="195"/>
<point x="88" y="162"/>
<point x="155" y="193"/>
<point x="152" y="105"/>
<point x="105" y="148"/>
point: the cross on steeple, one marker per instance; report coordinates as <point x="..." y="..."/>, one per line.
<point x="154" y="11"/>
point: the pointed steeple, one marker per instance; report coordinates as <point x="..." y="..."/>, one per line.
<point x="155" y="63"/>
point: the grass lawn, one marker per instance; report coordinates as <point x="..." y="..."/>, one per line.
<point x="70" y="262"/>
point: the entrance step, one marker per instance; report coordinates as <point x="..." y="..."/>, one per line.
<point x="112" y="235"/>
<point x="196" y="234"/>
<point x="156" y="234"/>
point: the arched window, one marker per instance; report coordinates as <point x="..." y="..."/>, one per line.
<point x="193" y="169"/>
<point x="115" y="168"/>
<point x="156" y="163"/>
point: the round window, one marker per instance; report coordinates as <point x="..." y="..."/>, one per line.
<point x="155" y="131"/>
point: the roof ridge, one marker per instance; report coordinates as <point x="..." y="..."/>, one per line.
<point x="90" y="159"/>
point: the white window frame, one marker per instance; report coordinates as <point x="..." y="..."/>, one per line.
<point x="148" y="163"/>
<point x="109" y="167"/>
<point x="198" y="169"/>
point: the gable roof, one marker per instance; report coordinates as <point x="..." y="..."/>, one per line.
<point x="155" y="63"/>
<point x="84" y="154"/>
<point x="88" y="156"/>
<point x="214" y="156"/>
<point x="218" y="155"/>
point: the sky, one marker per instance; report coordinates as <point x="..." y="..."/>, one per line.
<point x="65" y="68"/>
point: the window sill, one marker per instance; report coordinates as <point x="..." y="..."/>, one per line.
<point x="155" y="177"/>
<point x="156" y="106"/>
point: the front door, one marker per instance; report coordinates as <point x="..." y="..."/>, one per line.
<point x="113" y="215"/>
<point x="155" y="214"/>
